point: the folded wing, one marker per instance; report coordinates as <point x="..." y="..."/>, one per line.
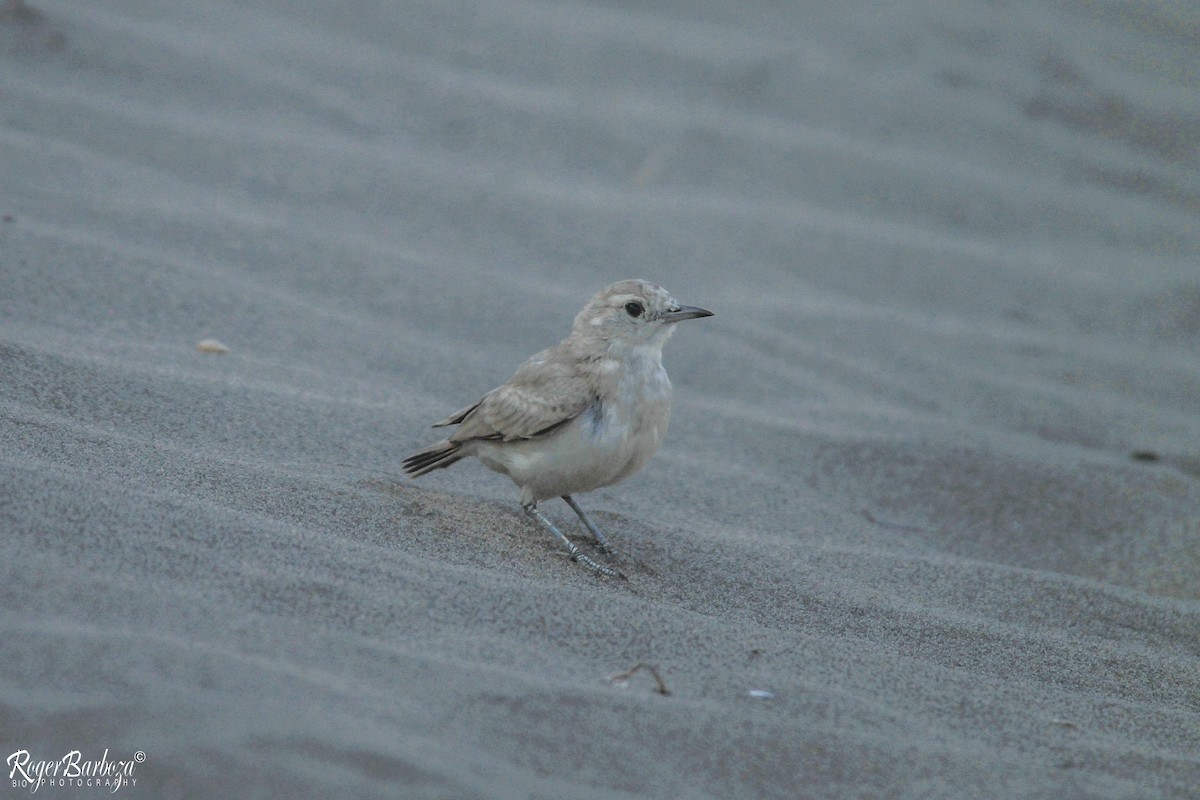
<point x="542" y="395"/>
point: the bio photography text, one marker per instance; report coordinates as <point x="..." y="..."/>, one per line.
<point x="73" y="770"/>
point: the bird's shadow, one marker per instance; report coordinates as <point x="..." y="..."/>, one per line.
<point x="500" y="534"/>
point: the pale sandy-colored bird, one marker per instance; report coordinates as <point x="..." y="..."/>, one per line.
<point x="586" y="413"/>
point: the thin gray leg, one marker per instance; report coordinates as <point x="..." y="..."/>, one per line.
<point x="605" y="547"/>
<point x="576" y="553"/>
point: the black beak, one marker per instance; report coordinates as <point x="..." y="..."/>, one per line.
<point x="686" y="312"/>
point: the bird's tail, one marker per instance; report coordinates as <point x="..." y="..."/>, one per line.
<point x="436" y="456"/>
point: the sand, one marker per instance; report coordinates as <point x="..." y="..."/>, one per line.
<point x="927" y="522"/>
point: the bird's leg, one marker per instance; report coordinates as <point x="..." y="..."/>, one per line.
<point x="576" y="554"/>
<point x="600" y="538"/>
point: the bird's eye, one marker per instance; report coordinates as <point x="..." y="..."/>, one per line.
<point x="634" y="308"/>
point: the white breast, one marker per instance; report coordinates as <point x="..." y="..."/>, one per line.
<point x="611" y="440"/>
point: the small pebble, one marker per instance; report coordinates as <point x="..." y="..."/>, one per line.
<point x="211" y="346"/>
<point x="1064" y="723"/>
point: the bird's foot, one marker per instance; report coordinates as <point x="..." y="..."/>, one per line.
<point x="576" y="554"/>
<point x="597" y="567"/>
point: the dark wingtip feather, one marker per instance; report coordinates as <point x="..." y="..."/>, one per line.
<point x="436" y="456"/>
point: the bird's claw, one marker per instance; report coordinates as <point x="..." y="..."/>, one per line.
<point x="598" y="568"/>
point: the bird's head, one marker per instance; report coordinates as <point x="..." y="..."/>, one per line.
<point x="633" y="312"/>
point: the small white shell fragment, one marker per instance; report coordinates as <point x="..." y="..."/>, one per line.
<point x="761" y="694"/>
<point x="211" y="346"/>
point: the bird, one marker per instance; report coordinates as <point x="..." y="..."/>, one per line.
<point x="586" y="413"/>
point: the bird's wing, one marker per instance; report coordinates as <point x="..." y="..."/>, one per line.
<point x="457" y="416"/>
<point x="545" y="392"/>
